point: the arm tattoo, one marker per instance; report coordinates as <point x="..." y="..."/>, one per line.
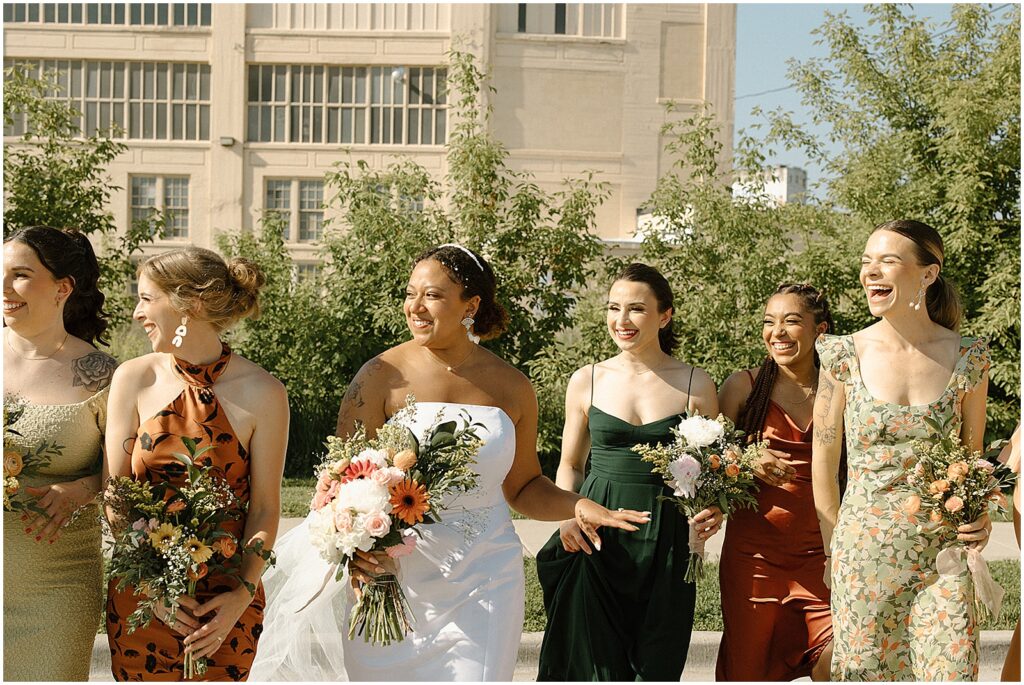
<point x="354" y="395"/>
<point x="826" y="391"/>
<point x="826" y="435"/>
<point x="93" y="371"/>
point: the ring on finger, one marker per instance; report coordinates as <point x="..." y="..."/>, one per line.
<point x="621" y="509"/>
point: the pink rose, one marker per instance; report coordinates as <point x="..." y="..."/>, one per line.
<point x="403" y="549"/>
<point x="326" y="491"/>
<point x="381" y="477"/>
<point x="984" y="465"/>
<point x="343" y="521"/>
<point x="912" y="505"/>
<point x="153" y="524"/>
<point x="378" y="524"/>
<point x="140" y="524"/>
<point x="954" y="504"/>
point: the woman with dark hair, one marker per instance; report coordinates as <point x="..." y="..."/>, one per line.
<point x="775" y="606"/>
<point x="622" y="610"/>
<point x="52" y="563"/>
<point x="464" y="581"/>
<point x="895" y="617"/>
<point x="192" y="385"/>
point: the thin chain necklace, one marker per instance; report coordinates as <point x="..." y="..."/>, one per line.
<point x="37" y="359"/>
<point x="811" y="392"/>
<point x="450" y="367"/>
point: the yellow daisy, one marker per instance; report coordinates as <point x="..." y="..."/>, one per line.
<point x="164" y="537"/>
<point x="199" y="552"/>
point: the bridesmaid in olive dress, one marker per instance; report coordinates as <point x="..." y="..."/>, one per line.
<point x="622" y="611"/>
<point x="53" y="317"/>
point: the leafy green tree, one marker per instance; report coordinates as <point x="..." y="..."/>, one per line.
<point x="540" y="245"/>
<point x="925" y="122"/>
<point x="57" y="177"/>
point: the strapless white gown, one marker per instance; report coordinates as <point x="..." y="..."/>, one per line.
<point x="464" y="583"/>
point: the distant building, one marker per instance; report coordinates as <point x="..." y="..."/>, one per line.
<point x="233" y="109"/>
<point x="784" y="184"/>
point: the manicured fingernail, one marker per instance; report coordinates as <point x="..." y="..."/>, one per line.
<point x="38" y="538"/>
<point x="598" y="546"/>
<point x="52" y="541"/>
<point x="29" y="529"/>
<point x="380" y="569"/>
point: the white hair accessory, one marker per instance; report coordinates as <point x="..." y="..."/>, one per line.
<point x="471" y="255"/>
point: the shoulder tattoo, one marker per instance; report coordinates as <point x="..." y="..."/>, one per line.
<point x="93" y="371"/>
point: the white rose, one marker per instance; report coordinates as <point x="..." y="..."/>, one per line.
<point x="363" y="496"/>
<point x="700" y="432"/>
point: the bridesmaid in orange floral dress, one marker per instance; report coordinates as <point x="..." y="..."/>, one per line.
<point x="192" y="385"/>
<point x="775" y="606"/>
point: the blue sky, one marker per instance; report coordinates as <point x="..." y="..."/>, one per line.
<point x="767" y="35"/>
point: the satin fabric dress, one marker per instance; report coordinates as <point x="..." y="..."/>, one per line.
<point x="154" y="652"/>
<point x="775" y="606"/>
<point x="624" y="613"/>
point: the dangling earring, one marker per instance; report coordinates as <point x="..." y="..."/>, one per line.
<point x="180" y="332"/>
<point x="916" y="305"/>
<point x="468" y="323"/>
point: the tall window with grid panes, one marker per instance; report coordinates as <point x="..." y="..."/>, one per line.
<point x="166" y="194"/>
<point x="299" y="204"/>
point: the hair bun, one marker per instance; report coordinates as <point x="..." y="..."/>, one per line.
<point x="246" y="275"/>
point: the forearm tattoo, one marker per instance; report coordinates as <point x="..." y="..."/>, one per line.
<point x="93" y="371"/>
<point x="826" y="391"/>
<point x="826" y="435"/>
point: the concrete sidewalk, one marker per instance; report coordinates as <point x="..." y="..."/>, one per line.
<point x="700" y="664"/>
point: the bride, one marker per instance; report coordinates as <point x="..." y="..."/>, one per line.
<point x="464" y="580"/>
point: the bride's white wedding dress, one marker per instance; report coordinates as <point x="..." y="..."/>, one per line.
<point x="464" y="583"/>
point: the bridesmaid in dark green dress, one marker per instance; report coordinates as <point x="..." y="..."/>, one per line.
<point x="624" y="612"/>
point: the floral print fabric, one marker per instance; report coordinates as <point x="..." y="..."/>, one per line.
<point x="894" y="616"/>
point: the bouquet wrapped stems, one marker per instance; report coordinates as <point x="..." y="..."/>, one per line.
<point x="193" y="666"/>
<point x="695" y="566"/>
<point x="382" y="614"/>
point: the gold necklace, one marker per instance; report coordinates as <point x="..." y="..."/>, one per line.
<point x="450" y="367"/>
<point x="811" y="392"/>
<point x="37" y="359"/>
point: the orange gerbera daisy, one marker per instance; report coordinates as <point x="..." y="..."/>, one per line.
<point x="356" y="470"/>
<point x="409" y="501"/>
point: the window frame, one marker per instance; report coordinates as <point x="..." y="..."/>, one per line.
<point x="161" y="202"/>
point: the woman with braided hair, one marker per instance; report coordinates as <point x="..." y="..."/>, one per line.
<point x="775" y="605"/>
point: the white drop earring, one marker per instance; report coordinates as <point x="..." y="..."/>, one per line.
<point x="468" y="323"/>
<point x="180" y="332"/>
<point x="916" y="304"/>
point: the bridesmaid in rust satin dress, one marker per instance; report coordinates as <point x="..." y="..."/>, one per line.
<point x="193" y="385"/>
<point x="775" y="606"/>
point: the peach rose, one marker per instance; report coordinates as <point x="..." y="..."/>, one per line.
<point x="912" y="505"/>
<point x="732" y="470"/>
<point x="714" y="461"/>
<point x="175" y="506"/>
<point x="198" y="573"/>
<point x="13" y="463"/>
<point x="954" y="504"/>
<point x="935" y="516"/>
<point x="957" y="471"/>
<point x="226" y="546"/>
<point x="378" y="524"/>
<point x="405" y="460"/>
<point x="343" y="521"/>
<point x="938" y="486"/>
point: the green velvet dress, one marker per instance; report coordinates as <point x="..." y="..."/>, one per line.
<point x="624" y="613"/>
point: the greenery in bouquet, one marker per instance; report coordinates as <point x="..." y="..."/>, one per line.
<point x="166" y="538"/>
<point x="371" y="495"/>
<point x="705" y="466"/>
<point x="20" y="462"/>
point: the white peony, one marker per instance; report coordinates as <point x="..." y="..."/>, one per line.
<point x="363" y="495"/>
<point x="378" y="458"/>
<point x="700" y="432"/>
<point x="685" y="470"/>
<point x="322" y="535"/>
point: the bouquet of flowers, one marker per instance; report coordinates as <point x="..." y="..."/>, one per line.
<point x="18" y="462"/>
<point x="948" y="487"/>
<point x="705" y="466"/>
<point x="166" y="539"/>
<point x="372" y="494"/>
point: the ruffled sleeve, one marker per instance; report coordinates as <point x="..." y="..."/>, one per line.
<point x="834" y="353"/>
<point x="976" y="362"/>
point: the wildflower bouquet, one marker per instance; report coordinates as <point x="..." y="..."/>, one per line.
<point x="950" y="486"/>
<point x="372" y="494"/>
<point x="705" y="466"/>
<point x="18" y="462"/>
<point x="167" y="538"/>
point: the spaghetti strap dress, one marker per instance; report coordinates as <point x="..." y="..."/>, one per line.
<point x="625" y="612"/>
<point x="775" y="606"/>
<point x="154" y="652"/>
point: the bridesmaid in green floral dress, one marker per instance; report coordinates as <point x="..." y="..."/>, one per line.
<point x="53" y="569"/>
<point x="894" y="616"/>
